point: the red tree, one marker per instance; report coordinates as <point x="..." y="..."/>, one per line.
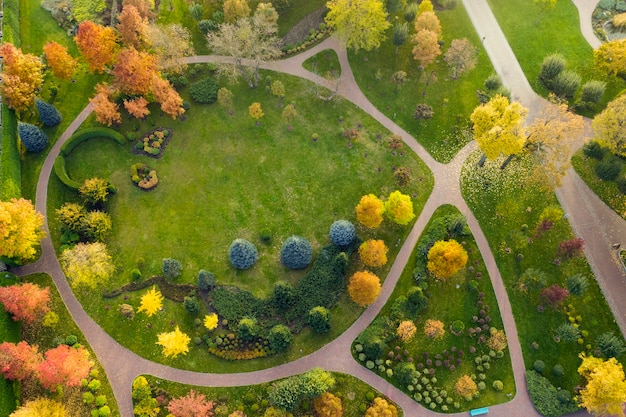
<point x="193" y="404"/>
<point x="571" y="248"/>
<point x="96" y="44"/>
<point x="19" y="361"/>
<point x="554" y="295"/>
<point x="25" y="301"/>
<point x="64" y="365"/>
<point x="134" y="71"/>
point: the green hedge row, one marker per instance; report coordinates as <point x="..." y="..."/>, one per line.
<point x="11" y="29"/>
<point x="61" y="171"/>
<point x="89" y="133"/>
<point x="10" y="164"/>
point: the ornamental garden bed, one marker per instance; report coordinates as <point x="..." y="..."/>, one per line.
<point x="153" y="143"/>
<point x="143" y="176"/>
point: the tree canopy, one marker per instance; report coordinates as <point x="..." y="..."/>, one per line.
<point x="361" y="24"/>
<point x="21" y="229"/>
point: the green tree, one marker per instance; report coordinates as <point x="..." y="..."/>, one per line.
<point x="611" y="57"/>
<point x="361" y="24"/>
<point x="400" y="35"/>
<point x="248" y="328"/>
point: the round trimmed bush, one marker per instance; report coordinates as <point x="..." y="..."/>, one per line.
<point x="564" y="396"/>
<point x="594" y="150"/>
<point x="342" y="233"/>
<point x="206" y="280"/>
<point x="498" y="385"/>
<point x="539" y="366"/>
<point x="296" y="253"/>
<point x="557" y="370"/>
<point x="204" y="91"/>
<point x="32" y="137"/>
<point x="48" y="114"/>
<point x="242" y="254"/>
<point x="609" y="168"/>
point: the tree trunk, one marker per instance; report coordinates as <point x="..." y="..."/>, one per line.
<point x="482" y="160"/>
<point x="507" y="161"/>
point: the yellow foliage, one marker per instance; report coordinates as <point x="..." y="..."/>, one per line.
<point x="22" y="77"/>
<point x="425" y="6"/>
<point x="87" y="264"/>
<point x="235" y="9"/>
<point x="406" y="330"/>
<point x="381" y="408"/>
<point x="610" y="125"/>
<point x="497" y="341"/>
<point x="210" y="321"/>
<point x="41" y="407"/>
<point x="151" y="302"/>
<point x="399" y="208"/>
<point x="446" y="258"/>
<point x="174" y="343"/>
<point x="605" y="392"/>
<point x="373" y="252"/>
<point x="369" y="211"/>
<point x="360" y="23"/>
<point x="255" y="111"/>
<point x="20" y="229"/>
<point x="611" y="57"/>
<point x="364" y="287"/>
<point x="466" y="387"/>
<point x="433" y="329"/>
<point x="328" y="405"/>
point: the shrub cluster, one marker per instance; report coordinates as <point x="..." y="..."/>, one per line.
<point x="204" y="91"/>
<point x="296" y="253"/>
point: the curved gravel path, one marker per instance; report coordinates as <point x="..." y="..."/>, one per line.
<point x="122" y="365"/>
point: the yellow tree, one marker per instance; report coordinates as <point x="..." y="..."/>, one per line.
<point x="41" y="407"/>
<point x="105" y="109"/>
<point x="210" y="321"/>
<point x="151" y="302"/>
<point x="21" y="77"/>
<point x="406" y="330"/>
<point x="549" y="140"/>
<point x="20" y="229"/>
<point x="328" y="405"/>
<point x="498" y="128"/>
<point x="62" y="64"/>
<point x="256" y="112"/>
<point x="399" y="208"/>
<point x="466" y="387"/>
<point x="605" y="392"/>
<point x="425" y="6"/>
<point x="426" y="47"/>
<point x="369" y="211"/>
<point x="381" y="408"/>
<point x="361" y="24"/>
<point x="131" y="26"/>
<point x="235" y="9"/>
<point x="364" y="288"/>
<point x="611" y="57"/>
<point x="373" y="252"/>
<point x="174" y="343"/>
<point x="169" y="44"/>
<point x="428" y="21"/>
<point x="289" y="112"/>
<point x="610" y="126"/>
<point x="434" y="329"/>
<point x="87" y="264"/>
<point x="446" y="257"/>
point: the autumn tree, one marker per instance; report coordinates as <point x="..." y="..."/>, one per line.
<point x="105" y="109"/>
<point x="549" y="140"/>
<point x="364" y="288"/>
<point x="610" y="126"/>
<point x="131" y="26"/>
<point x="21" y="77"/>
<point x="605" y="391"/>
<point x="426" y="47"/>
<point x="134" y="72"/>
<point x="137" y="107"/>
<point x="381" y="408"/>
<point x="361" y="24"/>
<point x="62" y="64"/>
<point x="235" y="9"/>
<point x="425" y="6"/>
<point x="497" y="340"/>
<point x="611" y="57"/>
<point x="144" y="7"/>
<point x="193" y="404"/>
<point x="399" y="208"/>
<point x="248" y="38"/>
<point x="544" y="6"/>
<point x="406" y="330"/>
<point x="460" y="57"/>
<point x="554" y="295"/>
<point x="41" y="407"/>
<point x="289" y="113"/>
<point x="94" y="191"/>
<point x="164" y="93"/>
<point x="64" y="365"/>
<point x="152" y="301"/>
<point x="19" y="361"/>
<point x="27" y="302"/>
<point x="369" y="211"/>
<point x="210" y="321"/>
<point x="174" y="343"/>
<point x="373" y="253"/>
<point x="87" y="264"/>
<point x="96" y="44"/>
<point x="428" y="21"/>
<point x="434" y="329"/>
<point x="498" y="127"/>
<point x="466" y="387"/>
<point x="445" y="258"/>
<point x="169" y="44"/>
<point x="328" y="405"/>
<point x="225" y="98"/>
<point x="20" y="229"/>
<point x="256" y="112"/>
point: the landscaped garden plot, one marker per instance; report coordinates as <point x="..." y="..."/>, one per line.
<point x="549" y="283"/>
<point x="354" y="396"/>
<point x="223" y="177"/>
<point x="532" y="42"/>
<point x="452" y="100"/>
<point x="433" y="333"/>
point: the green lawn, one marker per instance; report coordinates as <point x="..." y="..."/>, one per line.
<point x="452" y="100"/>
<point x="557" y="32"/>
<point x="213" y="189"/>
<point x="448" y="300"/>
<point x="324" y="63"/>
<point x="508" y="205"/>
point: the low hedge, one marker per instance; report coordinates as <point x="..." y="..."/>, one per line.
<point x="61" y="172"/>
<point x="89" y="133"/>
<point x="10" y="164"/>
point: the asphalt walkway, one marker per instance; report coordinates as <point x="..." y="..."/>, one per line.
<point x="122" y="365"/>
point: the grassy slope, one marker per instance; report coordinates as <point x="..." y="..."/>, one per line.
<point x="213" y="190"/>
<point x="452" y="100"/>
<point x="531" y="43"/>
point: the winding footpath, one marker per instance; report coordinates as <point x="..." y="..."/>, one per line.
<point x="590" y="218"/>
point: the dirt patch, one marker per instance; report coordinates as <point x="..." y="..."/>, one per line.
<point x="301" y="30"/>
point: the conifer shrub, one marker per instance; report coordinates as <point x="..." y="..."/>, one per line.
<point x="342" y="233"/>
<point x="171" y="268"/>
<point x="242" y="254"/>
<point x="206" y="280"/>
<point x="33" y="138"/>
<point x="609" y="168"/>
<point x="566" y="84"/>
<point x="204" y="91"/>
<point x="48" y="114"/>
<point x="296" y="253"/>
<point x="551" y="67"/>
<point x="319" y="319"/>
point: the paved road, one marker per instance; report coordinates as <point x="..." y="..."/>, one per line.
<point x="122" y="365"/>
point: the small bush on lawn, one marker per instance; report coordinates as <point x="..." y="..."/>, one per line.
<point x="592" y="92"/>
<point x="296" y="253"/>
<point x="204" y="91"/>
<point x="621" y="184"/>
<point x="242" y="254"/>
<point x="191" y="304"/>
<point x="610" y="345"/>
<point x="171" y="268"/>
<point x="608" y="169"/>
<point x="551" y="67"/>
<point x="206" y="280"/>
<point x="342" y="233"/>
<point x="594" y="150"/>
<point x="545" y="396"/>
<point x="48" y="114"/>
<point x="33" y="138"/>
<point x="566" y="84"/>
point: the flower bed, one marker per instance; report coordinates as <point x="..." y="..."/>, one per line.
<point x="153" y="143"/>
<point x="144" y="176"/>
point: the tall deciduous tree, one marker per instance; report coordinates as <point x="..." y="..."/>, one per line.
<point x="460" y="57"/>
<point x="364" y="288"/>
<point x="132" y="26"/>
<point x="235" y="9"/>
<point x="21" y="77"/>
<point x="605" y="392"/>
<point x="144" y="7"/>
<point x="174" y="343"/>
<point x="105" y="109"/>
<point x="611" y="57"/>
<point x="64" y="365"/>
<point x="20" y="229"/>
<point x="426" y="47"/>
<point x="193" y="404"/>
<point x="87" y="264"/>
<point x="164" y="93"/>
<point x="134" y="71"/>
<point x="498" y="127"/>
<point x="248" y="38"/>
<point x="19" y="361"/>
<point x="446" y="257"/>
<point x="169" y="44"/>
<point x="137" y="107"/>
<point x="27" y="302"/>
<point x="399" y="208"/>
<point x="373" y="252"/>
<point x="359" y="23"/>
<point x="96" y="44"/>
<point x="428" y="21"/>
<point x="610" y="126"/>
<point x="62" y="64"/>
<point x="369" y="211"/>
